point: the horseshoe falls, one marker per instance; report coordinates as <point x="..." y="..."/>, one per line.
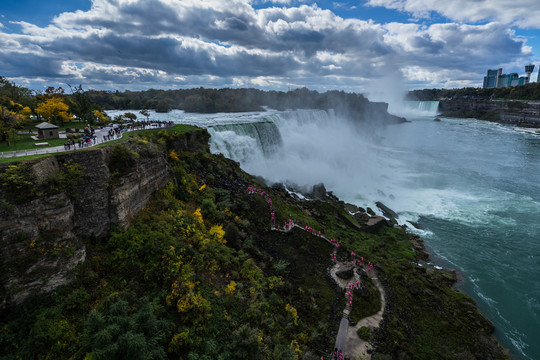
<point x="472" y="186"/>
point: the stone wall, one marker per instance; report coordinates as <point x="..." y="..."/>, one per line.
<point x="42" y="240"/>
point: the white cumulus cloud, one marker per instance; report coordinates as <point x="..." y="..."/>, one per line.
<point x="168" y="43"/>
<point x="521" y="13"/>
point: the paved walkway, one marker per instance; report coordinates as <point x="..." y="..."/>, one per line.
<point x="347" y="340"/>
<point x="358" y="348"/>
<point x="100" y="139"/>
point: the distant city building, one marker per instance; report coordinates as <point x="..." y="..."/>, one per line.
<point x="495" y="78"/>
<point x="491" y="80"/>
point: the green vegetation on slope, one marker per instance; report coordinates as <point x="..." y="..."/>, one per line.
<point x="199" y="275"/>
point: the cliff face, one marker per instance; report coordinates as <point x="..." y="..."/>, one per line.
<point x="42" y="240"/>
<point x="513" y="112"/>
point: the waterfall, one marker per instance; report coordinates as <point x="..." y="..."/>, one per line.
<point x="262" y="138"/>
<point x="304" y="147"/>
<point x="245" y="141"/>
<point x="415" y="108"/>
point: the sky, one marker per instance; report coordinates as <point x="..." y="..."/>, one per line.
<point x="367" y="46"/>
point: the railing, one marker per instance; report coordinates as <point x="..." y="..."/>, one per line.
<point x="93" y="142"/>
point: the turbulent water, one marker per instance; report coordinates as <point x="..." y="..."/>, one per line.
<point x="473" y="186"/>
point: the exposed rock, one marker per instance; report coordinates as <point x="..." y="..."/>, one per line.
<point x="415" y="224"/>
<point x="419" y="247"/>
<point x="389" y="213"/>
<point x="449" y="275"/>
<point x="512" y="112"/>
<point x="40" y="240"/>
<point x="345" y="273"/>
<point x="318" y="192"/>
<point x="376" y="222"/>
<point x="351" y="208"/>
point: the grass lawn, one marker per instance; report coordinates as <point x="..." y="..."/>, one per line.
<point x="27" y="143"/>
<point x="23" y="158"/>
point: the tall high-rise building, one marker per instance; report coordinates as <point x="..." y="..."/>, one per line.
<point x="538" y="78"/>
<point x="491" y="80"/>
<point x="495" y="78"/>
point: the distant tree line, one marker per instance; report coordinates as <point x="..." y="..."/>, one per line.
<point x="224" y="100"/>
<point x="522" y="92"/>
<point x="19" y="106"/>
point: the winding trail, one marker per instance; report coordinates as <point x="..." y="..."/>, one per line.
<point x="347" y="340"/>
<point x="358" y="348"/>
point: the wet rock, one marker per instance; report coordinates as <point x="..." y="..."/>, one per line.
<point x="415" y="224"/>
<point x="389" y="213"/>
<point x="319" y="191"/>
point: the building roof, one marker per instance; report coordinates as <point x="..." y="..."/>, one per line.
<point x="47" y="126"/>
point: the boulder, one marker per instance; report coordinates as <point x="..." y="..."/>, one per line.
<point x="375" y="223"/>
<point x="345" y="273"/>
<point x="318" y="192"/>
<point x="362" y="218"/>
<point x="389" y="213"/>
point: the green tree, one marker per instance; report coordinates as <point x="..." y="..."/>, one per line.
<point x="9" y="90"/>
<point x="12" y="116"/>
<point x="13" y="137"/>
<point x="131" y="116"/>
<point x="145" y="112"/>
<point x="124" y="334"/>
<point x="81" y="105"/>
<point x="163" y="106"/>
<point x="8" y="120"/>
<point x="244" y="343"/>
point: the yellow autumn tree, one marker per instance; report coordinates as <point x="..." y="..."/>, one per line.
<point x="12" y="117"/>
<point x="100" y="117"/>
<point x="54" y="110"/>
<point x="217" y="233"/>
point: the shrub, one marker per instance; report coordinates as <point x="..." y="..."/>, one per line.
<point x="280" y="266"/>
<point x="208" y="209"/>
<point x="364" y="333"/>
<point x="232" y="236"/>
<point x="122" y="160"/>
<point x="19" y="182"/>
<point x="66" y="179"/>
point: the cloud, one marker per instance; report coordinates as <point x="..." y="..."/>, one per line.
<point x="227" y="43"/>
<point x="521" y="13"/>
<point x="454" y="46"/>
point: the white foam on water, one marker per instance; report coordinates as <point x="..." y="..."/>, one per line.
<point x="463" y="175"/>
